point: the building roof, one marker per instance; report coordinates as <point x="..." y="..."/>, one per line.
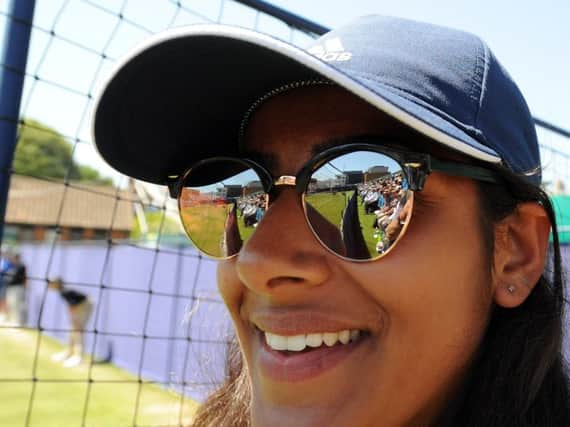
<point x="378" y="169"/>
<point x="41" y="202"/>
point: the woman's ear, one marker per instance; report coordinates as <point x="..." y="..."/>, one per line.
<point x="521" y="242"/>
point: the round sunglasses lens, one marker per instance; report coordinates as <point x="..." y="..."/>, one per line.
<point x="220" y="204"/>
<point x="358" y="204"/>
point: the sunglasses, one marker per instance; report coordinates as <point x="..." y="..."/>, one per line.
<point x="357" y="198"/>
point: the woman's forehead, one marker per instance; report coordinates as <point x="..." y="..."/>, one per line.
<point x="317" y="114"/>
<point x="311" y="119"/>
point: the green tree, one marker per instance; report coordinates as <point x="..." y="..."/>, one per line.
<point x="43" y="151"/>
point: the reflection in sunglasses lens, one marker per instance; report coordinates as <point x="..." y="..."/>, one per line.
<point x="358" y="204"/>
<point x="220" y="205"/>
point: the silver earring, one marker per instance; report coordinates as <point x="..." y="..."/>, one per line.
<point x="511" y="289"/>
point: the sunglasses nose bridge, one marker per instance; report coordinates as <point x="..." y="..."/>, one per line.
<point x="281" y="183"/>
<point x="285" y="180"/>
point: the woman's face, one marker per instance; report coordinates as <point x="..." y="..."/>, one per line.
<point x="420" y="311"/>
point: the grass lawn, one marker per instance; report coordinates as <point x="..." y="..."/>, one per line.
<point x="61" y="393"/>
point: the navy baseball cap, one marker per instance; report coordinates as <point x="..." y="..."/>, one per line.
<point x="183" y="95"/>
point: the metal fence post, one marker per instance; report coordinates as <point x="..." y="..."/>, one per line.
<point x="13" y="62"/>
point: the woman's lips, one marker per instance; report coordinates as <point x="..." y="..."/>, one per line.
<point x="292" y="366"/>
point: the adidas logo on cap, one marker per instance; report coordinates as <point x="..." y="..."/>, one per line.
<point x="333" y="50"/>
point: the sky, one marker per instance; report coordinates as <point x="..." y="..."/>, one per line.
<point x="530" y="38"/>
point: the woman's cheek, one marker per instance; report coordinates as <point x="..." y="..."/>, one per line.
<point x="229" y="286"/>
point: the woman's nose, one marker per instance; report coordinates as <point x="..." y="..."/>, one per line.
<point x="282" y="254"/>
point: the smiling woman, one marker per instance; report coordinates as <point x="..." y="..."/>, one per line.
<point x="380" y="224"/>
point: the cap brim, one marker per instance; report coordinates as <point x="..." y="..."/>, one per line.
<point x="182" y="95"/>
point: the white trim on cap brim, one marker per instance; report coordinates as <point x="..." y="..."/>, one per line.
<point x="304" y="58"/>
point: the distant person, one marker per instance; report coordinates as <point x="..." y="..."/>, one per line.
<point x="4" y="267"/>
<point x="80" y="308"/>
<point x="559" y="187"/>
<point x="15" y="279"/>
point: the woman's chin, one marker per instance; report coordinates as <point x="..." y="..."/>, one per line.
<point x="307" y="388"/>
<point x="327" y="415"/>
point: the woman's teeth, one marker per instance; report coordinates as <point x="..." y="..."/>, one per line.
<point x="300" y="342"/>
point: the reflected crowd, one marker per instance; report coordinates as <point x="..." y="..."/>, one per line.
<point x="386" y="198"/>
<point x="251" y="208"/>
<point x="384" y="207"/>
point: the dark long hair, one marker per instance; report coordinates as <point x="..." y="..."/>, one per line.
<point x="518" y="378"/>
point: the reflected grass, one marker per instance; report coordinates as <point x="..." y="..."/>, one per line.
<point x="331" y="206"/>
<point x="206" y="223"/>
